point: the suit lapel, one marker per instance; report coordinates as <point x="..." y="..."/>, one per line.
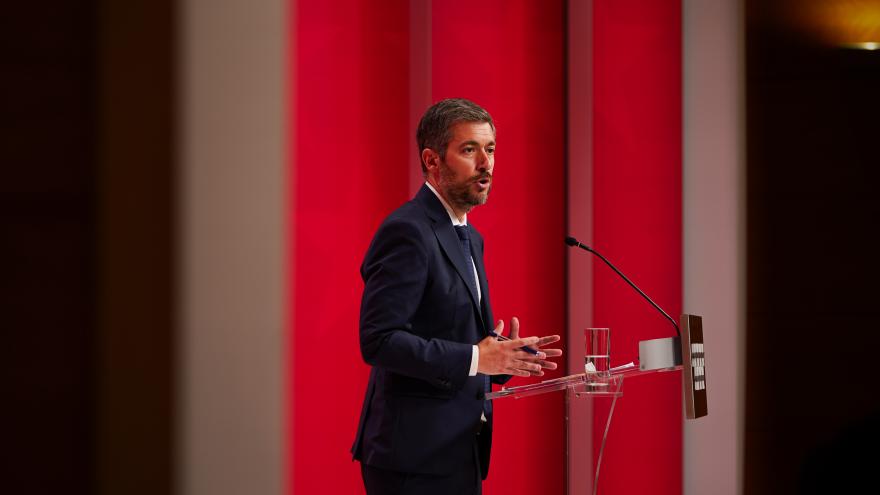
<point x="477" y="254"/>
<point x="448" y="240"/>
<point x="445" y="233"/>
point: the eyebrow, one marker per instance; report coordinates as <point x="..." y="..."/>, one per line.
<point x="474" y="143"/>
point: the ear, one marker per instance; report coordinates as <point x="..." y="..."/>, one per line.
<point x="431" y="159"/>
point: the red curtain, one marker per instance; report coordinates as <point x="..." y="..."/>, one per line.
<point x="509" y="57"/>
<point x="351" y="151"/>
<point x="637" y="225"/>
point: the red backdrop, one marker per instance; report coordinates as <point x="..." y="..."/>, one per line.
<point x="637" y="225"/>
<point x="509" y="57"/>
<point x="352" y="153"/>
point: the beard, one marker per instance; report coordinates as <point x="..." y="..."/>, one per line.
<point x="461" y="194"/>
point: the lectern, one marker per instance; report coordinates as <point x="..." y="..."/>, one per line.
<point x="674" y="354"/>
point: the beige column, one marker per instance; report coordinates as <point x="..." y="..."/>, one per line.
<point x="714" y="235"/>
<point x="230" y="429"/>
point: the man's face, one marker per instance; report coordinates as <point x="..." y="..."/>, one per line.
<point x="465" y="175"/>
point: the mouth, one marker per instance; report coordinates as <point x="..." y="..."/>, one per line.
<point x="483" y="183"/>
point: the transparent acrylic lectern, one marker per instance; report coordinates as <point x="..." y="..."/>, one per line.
<point x="584" y="386"/>
<point x="682" y="353"/>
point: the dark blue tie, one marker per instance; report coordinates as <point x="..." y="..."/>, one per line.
<point x="464" y="238"/>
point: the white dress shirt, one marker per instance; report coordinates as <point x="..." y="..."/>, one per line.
<point x="475" y="355"/>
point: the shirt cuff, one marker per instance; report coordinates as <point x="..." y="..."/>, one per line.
<point x="475" y="361"/>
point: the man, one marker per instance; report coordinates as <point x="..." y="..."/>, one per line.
<point x="426" y="322"/>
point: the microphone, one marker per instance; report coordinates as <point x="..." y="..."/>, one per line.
<point x="571" y="241"/>
<point x="670" y="352"/>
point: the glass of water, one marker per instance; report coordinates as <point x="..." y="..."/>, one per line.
<point x="597" y="351"/>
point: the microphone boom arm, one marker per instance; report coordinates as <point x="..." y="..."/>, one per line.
<point x="571" y="241"/>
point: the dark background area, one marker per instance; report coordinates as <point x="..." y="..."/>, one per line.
<point x="813" y="259"/>
<point x="48" y="203"/>
<point x="86" y="137"/>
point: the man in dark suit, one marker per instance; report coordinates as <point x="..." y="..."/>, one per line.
<point x="426" y="322"/>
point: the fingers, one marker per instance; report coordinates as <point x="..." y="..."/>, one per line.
<point x="549" y="339"/>
<point x="523" y="355"/>
<point x="538" y="360"/>
<point x="542" y="354"/>
<point x="514" y="333"/>
<point x="535" y="364"/>
<point x="514" y="328"/>
<point x="525" y="368"/>
<point x="517" y="361"/>
<point x="515" y="343"/>
<point x="529" y="367"/>
<point x="543" y="363"/>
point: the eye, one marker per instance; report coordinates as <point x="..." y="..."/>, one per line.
<point x="490" y="150"/>
<point x="468" y="149"/>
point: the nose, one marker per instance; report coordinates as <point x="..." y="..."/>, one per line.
<point x="483" y="161"/>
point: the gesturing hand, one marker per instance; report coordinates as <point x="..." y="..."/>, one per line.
<point x="505" y="357"/>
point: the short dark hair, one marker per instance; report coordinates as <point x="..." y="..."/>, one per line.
<point x="435" y="128"/>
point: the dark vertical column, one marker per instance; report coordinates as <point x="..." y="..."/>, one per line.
<point x="86" y="222"/>
<point x="47" y="246"/>
<point x="135" y="348"/>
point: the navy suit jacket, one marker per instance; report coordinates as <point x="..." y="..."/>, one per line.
<point x="419" y="320"/>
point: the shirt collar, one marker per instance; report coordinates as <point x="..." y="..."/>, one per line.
<point x="451" y="213"/>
